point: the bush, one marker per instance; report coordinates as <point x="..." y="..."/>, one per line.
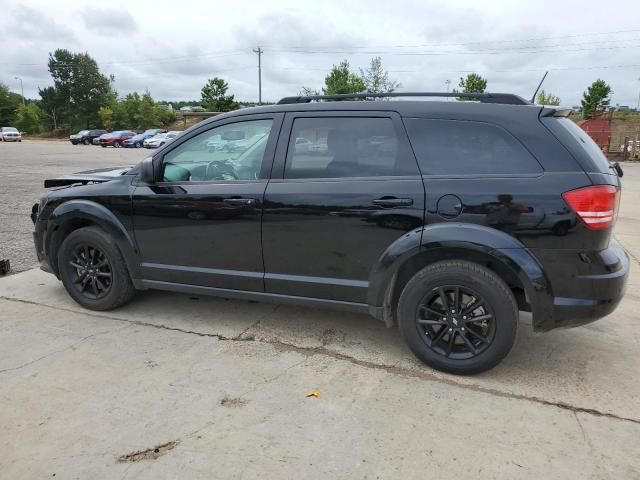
<point x="29" y="118"/>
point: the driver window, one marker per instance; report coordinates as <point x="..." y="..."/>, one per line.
<point x="230" y="152"/>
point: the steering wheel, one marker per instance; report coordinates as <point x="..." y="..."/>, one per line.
<point x="218" y="170"/>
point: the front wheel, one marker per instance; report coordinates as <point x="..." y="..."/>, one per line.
<point x="93" y="271"/>
<point x="458" y="317"/>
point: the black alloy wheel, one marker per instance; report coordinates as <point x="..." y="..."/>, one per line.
<point x="93" y="275"/>
<point x="455" y="321"/>
<point x="458" y="316"/>
<point x="93" y="271"/>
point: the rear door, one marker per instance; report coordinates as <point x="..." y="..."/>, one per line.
<point x="345" y="186"/>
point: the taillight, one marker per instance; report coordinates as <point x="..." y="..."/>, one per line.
<point x="595" y="205"/>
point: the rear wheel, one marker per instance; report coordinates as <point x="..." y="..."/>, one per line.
<point x="116" y="144"/>
<point x="93" y="271"/>
<point x="86" y="141"/>
<point x="458" y="317"/>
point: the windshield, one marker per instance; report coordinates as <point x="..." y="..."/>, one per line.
<point x="9" y="129"/>
<point x="83" y="132"/>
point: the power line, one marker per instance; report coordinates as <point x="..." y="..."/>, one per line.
<point x="554" y="37"/>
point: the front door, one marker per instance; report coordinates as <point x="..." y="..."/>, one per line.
<point x="200" y="224"/>
<point x="348" y="187"/>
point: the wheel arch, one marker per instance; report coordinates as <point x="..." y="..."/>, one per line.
<point x="74" y="214"/>
<point x="493" y="249"/>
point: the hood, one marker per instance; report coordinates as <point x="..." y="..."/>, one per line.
<point x="89" y="176"/>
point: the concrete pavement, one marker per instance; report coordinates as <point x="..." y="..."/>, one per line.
<point x="219" y="389"/>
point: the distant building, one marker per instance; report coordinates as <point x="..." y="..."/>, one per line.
<point x="598" y="128"/>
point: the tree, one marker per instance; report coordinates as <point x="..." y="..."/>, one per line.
<point x="51" y="105"/>
<point x="215" y="98"/>
<point x="105" y="113"/>
<point x="596" y="99"/>
<point x="9" y="102"/>
<point x="472" y="83"/>
<point x="29" y="118"/>
<point x="545" y="98"/>
<point x="376" y="78"/>
<point x="342" y="80"/>
<point x="80" y="86"/>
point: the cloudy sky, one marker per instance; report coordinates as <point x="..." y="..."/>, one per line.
<point x="171" y="50"/>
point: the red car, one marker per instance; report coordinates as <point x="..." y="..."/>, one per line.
<point x="115" y="139"/>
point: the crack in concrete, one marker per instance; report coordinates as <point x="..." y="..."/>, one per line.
<point x="55" y="352"/>
<point x="310" y="351"/>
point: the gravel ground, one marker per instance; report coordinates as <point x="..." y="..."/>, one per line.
<point x="25" y="165"/>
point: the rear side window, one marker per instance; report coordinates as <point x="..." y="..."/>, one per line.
<point x="336" y="147"/>
<point x="455" y="147"/>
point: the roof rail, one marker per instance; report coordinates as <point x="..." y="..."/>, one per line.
<point x="504" y="98"/>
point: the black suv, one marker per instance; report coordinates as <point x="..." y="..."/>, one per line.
<point x="445" y="218"/>
<point x="85" y="137"/>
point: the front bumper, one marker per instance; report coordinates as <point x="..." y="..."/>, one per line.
<point x="7" y="138"/>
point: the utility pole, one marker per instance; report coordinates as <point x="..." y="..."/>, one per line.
<point x="259" y="51"/>
<point x="21" y="88"/>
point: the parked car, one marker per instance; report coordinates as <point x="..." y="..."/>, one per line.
<point x="137" y="140"/>
<point x="160" y="139"/>
<point x="630" y="146"/>
<point x="115" y="139"/>
<point x="96" y="141"/>
<point x="85" y="137"/>
<point x="441" y="217"/>
<point x="10" y="134"/>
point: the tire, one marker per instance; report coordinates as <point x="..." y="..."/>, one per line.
<point x="103" y="145"/>
<point x="86" y="141"/>
<point x="105" y="259"/>
<point x="138" y="145"/>
<point x="426" y="326"/>
<point x="116" y="144"/>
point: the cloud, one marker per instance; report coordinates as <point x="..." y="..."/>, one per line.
<point x="422" y="43"/>
<point x="26" y="25"/>
<point x="108" y="21"/>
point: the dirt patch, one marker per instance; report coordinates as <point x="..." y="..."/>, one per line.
<point x="331" y="336"/>
<point x="232" y="402"/>
<point x="149" y="454"/>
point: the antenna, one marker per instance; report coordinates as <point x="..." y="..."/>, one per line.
<point x="533" y="98"/>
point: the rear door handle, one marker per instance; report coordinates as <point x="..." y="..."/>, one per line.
<point x="240" y="202"/>
<point x="393" y="202"/>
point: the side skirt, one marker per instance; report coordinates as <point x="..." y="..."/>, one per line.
<point x="255" y="296"/>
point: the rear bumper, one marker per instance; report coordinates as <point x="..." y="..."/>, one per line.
<point x="594" y="292"/>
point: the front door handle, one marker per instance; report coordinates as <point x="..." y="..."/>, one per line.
<point x="240" y="202"/>
<point x="393" y="202"/>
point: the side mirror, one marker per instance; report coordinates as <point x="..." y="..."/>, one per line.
<point x="147" y="174"/>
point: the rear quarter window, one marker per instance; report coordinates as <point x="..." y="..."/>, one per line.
<point x="586" y="145"/>
<point x="459" y="148"/>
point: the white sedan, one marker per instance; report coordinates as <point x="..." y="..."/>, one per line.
<point x="10" y="134"/>
<point x="160" y="139"/>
